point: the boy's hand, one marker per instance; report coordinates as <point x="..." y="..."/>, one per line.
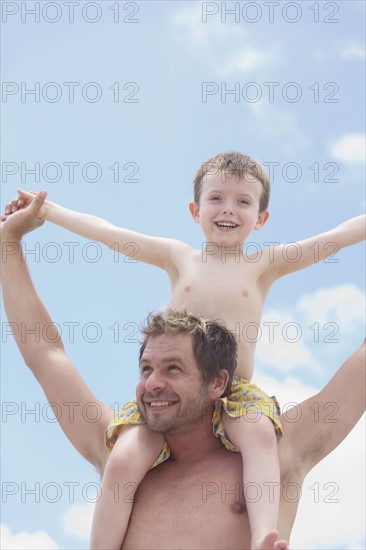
<point x="22" y="220"/>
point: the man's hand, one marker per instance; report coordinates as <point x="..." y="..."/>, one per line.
<point x="24" y="217"/>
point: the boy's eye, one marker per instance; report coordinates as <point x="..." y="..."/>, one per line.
<point x="215" y="198"/>
<point x="244" y="201"/>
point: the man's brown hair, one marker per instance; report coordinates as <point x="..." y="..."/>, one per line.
<point x="235" y="163"/>
<point x="214" y="347"/>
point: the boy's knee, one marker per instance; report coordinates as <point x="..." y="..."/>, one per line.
<point x="119" y="460"/>
<point x="263" y="431"/>
<point x="246" y="430"/>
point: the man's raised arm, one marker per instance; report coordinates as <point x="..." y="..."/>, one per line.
<point x="340" y="404"/>
<point x="45" y="354"/>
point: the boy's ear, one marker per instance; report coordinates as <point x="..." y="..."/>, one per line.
<point x="195" y="211"/>
<point x="262" y="218"/>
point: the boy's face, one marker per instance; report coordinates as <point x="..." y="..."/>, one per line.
<point x="229" y="208"/>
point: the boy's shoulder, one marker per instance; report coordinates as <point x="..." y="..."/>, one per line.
<point x="180" y="248"/>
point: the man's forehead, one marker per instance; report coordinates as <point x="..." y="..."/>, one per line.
<point x="165" y="345"/>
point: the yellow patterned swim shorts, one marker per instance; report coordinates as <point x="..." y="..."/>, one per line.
<point x="129" y="415"/>
<point x="245" y="399"/>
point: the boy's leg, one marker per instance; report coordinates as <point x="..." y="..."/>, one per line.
<point x="132" y="456"/>
<point x="258" y="446"/>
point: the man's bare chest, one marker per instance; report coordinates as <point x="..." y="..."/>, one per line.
<point x="190" y="507"/>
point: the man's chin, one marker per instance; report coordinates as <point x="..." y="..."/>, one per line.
<point x="161" y="425"/>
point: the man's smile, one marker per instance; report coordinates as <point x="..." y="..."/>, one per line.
<point x="159" y="405"/>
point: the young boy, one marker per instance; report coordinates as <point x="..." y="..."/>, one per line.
<point x="231" y="195"/>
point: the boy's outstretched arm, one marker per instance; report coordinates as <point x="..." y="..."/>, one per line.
<point x="145" y="248"/>
<point x="41" y="345"/>
<point x="292" y="257"/>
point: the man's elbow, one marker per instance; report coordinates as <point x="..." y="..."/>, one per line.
<point x="39" y="356"/>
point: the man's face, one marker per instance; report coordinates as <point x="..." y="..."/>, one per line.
<point x="170" y="392"/>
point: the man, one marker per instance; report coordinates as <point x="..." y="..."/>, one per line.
<point x="193" y="500"/>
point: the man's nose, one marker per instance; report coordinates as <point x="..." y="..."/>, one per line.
<point x="154" y="382"/>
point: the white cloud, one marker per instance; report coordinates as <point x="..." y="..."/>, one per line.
<point x="343" y="304"/>
<point x="347" y="51"/>
<point x="349" y="148"/>
<point x="221" y="44"/>
<point x="353" y="51"/>
<point x="291" y="390"/>
<point x="279" y="124"/>
<point x="198" y="33"/>
<point x="281" y="342"/>
<point x="245" y="60"/>
<point x="39" y="540"/>
<point x="78" y="520"/>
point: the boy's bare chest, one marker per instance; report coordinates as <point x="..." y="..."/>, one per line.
<point x="220" y="290"/>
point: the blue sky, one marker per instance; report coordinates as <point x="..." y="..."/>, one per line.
<point x="126" y="106"/>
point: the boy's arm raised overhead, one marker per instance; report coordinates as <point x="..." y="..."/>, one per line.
<point x="291" y="257"/>
<point x="145" y="248"/>
<point x="44" y="352"/>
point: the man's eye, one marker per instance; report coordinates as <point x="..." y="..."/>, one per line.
<point x="145" y="370"/>
<point x="174" y="367"/>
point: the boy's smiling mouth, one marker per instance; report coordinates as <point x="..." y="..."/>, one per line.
<point x="226" y="225"/>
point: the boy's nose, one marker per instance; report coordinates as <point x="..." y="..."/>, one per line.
<point x="228" y="209"/>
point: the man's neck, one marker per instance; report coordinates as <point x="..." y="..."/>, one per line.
<point x="192" y="442"/>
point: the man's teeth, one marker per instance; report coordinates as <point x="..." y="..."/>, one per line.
<point x="160" y="404"/>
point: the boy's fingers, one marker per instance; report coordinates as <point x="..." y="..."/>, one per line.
<point x="9" y="208"/>
<point x="38" y="202"/>
<point x="27" y="194"/>
<point x="14" y="205"/>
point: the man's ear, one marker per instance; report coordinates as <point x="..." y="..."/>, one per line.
<point x="195" y="211"/>
<point x="262" y="218"/>
<point x="218" y="384"/>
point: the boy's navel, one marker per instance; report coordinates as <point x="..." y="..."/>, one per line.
<point x="245" y="293"/>
<point x="187" y="288"/>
